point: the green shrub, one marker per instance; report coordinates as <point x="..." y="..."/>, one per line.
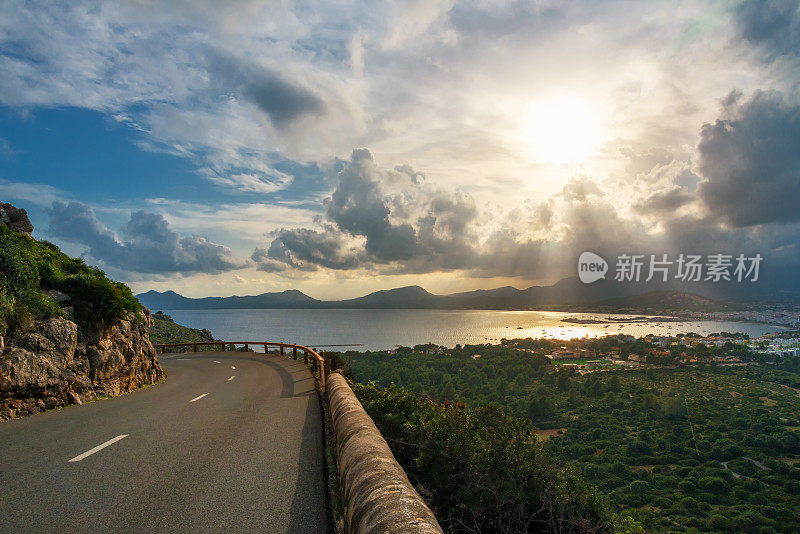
<point x="714" y="485"/>
<point x="29" y="267"/>
<point x="18" y="272"/>
<point x="96" y="299"/>
<point x="21" y="300"/>
<point x="485" y="470"/>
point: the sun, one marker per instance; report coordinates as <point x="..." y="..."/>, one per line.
<point x="562" y="130"/>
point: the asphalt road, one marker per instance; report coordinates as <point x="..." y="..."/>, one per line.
<point x="200" y="452"/>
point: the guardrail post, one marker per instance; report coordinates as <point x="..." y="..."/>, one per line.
<point x="223" y="347"/>
<point x="327" y="367"/>
<point x="282" y="352"/>
<point x="247" y="347"/>
<point x="294" y="353"/>
<point x="305" y="357"/>
<point x="194" y="347"/>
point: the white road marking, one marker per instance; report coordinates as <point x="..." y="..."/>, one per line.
<point x="99" y="447"/>
<point x="233" y="367"/>
<point x="198" y="398"/>
<point x="231" y="378"/>
<point x="184" y="359"/>
<point x="215" y="361"/>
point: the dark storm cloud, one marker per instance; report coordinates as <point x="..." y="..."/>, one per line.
<point x="419" y="229"/>
<point x="772" y="25"/>
<point x="663" y="202"/>
<point x="750" y="162"/>
<point x="282" y="100"/>
<point x="145" y="244"/>
<point x="305" y="249"/>
<point x="357" y="207"/>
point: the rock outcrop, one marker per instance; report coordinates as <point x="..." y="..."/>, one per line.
<point x="54" y="364"/>
<point x="15" y="218"/>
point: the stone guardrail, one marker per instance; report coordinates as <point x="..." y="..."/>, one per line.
<point x="323" y="365"/>
<point x="376" y="493"/>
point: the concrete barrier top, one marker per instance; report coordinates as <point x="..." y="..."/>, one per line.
<point x="376" y="492"/>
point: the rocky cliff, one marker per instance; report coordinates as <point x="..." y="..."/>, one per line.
<point x="57" y="359"/>
<point x="15" y="218"/>
<point x="53" y="365"/>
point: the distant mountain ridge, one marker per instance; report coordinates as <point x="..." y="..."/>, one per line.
<point x="567" y="292"/>
<point x="169" y="300"/>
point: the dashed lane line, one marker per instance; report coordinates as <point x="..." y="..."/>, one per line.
<point x="231" y="378"/>
<point x="98" y="448"/>
<point x="198" y="398"/>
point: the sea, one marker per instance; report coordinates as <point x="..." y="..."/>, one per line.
<point x="386" y="329"/>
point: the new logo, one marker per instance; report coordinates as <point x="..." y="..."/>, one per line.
<point x="591" y="267"/>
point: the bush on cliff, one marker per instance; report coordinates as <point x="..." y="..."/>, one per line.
<point x="482" y="470"/>
<point x="166" y="330"/>
<point x="29" y="267"/>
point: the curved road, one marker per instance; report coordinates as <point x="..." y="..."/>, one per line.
<point x="200" y="452"/>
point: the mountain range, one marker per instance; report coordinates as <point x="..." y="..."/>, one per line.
<point x="603" y="294"/>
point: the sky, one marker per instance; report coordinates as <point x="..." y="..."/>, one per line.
<point x="344" y="147"/>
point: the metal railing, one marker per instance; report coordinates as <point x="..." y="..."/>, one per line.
<point x="322" y="365"/>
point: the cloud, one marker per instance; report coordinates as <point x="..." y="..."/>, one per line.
<point x="306" y="250"/>
<point x="663" y="202"/>
<point x="379" y="221"/>
<point x="145" y="244"/>
<point x="395" y="222"/>
<point x="772" y="25"/>
<point x="32" y="193"/>
<point x="579" y="188"/>
<point x="387" y="216"/>
<point x="282" y="100"/>
<point x="750" y="161"/>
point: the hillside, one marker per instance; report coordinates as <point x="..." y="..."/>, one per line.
<point x="67" y="332"/>
<point x="709" y="446"/>
<point x="166" y="330"/>
<point x="660" y="302"/>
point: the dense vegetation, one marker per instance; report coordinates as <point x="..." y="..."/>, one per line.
<point x="705" y="448"/>
<point x="482" y="470"/>
<point x="29" y="267"/>
<point x="166" y="330"/>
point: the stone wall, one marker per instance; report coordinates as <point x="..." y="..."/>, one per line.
<point x="376" y="493"/>
<point x="53" y="364"/>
